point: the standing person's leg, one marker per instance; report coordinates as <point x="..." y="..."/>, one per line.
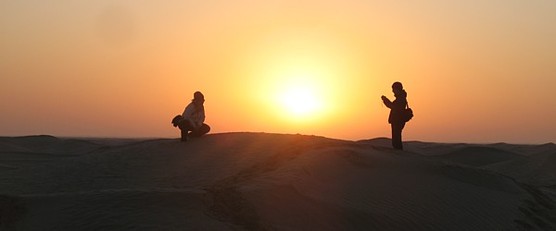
<point x="204" y="129"/>
<point x="397" y="135"/>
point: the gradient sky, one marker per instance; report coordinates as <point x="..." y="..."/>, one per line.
<point x="475" y="71"/>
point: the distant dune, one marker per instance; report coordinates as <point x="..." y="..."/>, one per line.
<point x="260" y="181"/>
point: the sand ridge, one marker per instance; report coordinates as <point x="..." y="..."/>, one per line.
<point x="261" y="181"/>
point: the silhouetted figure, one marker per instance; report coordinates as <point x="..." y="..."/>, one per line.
<point x="191" y="122"/>
<point x="395" y="118"/>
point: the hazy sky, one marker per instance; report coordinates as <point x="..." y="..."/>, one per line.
<point x="475" y="71"/>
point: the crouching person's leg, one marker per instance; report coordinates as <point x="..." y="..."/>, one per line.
<point x="203" y="129"/>
<point x="185" y="127"/>
<point x="184" y="135"/>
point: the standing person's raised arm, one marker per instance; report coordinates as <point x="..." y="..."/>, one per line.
<point x="386" y="101"/>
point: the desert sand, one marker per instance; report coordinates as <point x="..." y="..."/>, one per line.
<point x="260" y="181"/>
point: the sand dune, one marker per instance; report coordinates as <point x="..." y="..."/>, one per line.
<point x="479" y="156"/>
<point x="258" y="181"/>
<point x="538" y="169"/>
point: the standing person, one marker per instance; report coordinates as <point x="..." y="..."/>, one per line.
<point x="193" y="118"/>
<point x="395" y="118"/>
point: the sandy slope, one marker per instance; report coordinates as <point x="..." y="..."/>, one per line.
<point x="257" y="181"/>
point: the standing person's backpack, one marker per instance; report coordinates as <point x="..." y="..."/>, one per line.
<point x="407" y="113"/>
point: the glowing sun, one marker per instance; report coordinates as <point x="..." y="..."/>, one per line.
<point x="301" y="101"/>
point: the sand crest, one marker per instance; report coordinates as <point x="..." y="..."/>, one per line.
<point x="258" y="181"/>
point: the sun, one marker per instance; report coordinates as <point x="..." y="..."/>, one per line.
<point x="300" y="101"/>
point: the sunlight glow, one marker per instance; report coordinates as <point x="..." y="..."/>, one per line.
<point x="301" y="101"/>
<point x="300" y="75"/>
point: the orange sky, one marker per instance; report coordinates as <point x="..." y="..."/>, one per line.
<point x="475" y="71"/>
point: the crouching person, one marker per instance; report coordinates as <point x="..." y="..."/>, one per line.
<point x="191" y="122"/>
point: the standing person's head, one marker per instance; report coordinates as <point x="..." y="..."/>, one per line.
<point x="397" y="87"/>
<point x="198" y="98"/>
